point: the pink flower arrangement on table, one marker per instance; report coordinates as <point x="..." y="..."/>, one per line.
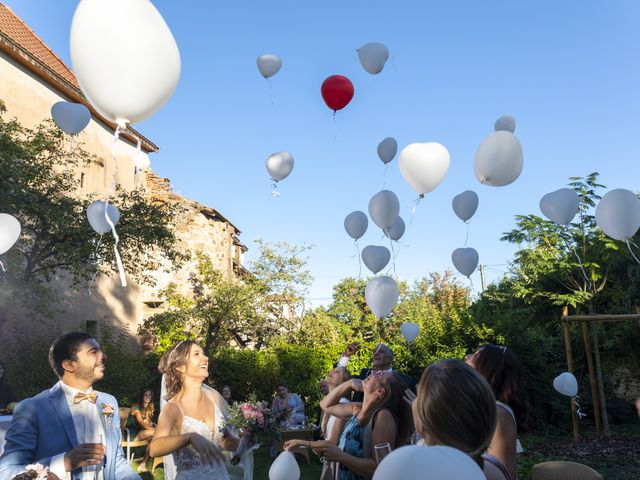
<point x="247" y="417"/>
<point x="41" y="472"/>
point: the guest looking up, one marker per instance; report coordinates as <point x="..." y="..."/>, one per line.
<point x="456" y="407"/>
<point x="382" y="417"/>
<point x="381" y="360"/>
<point x="501" y="368"/>
<point x="330" y="426"/>
<point x="141" y="422"/>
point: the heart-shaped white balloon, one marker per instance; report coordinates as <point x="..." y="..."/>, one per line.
<point x="381" y="295"/>
<point x="269" y="64"/>
<point x="465" y="204"/>
<point x="566" y="384"/>
<point x="410" y="331"/>
<point x="9" y="231"/>
<point x="375" y="257"/>
<point x="97" y="219"/>
<point x="424" y="165"/>
<point x="618" y="214"/>
<point x="70" y="117"/>
<point x="560" y="206"/>
<point x="465" y="260"/>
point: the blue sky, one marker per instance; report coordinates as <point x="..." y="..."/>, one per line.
<point x="568" y="71"/>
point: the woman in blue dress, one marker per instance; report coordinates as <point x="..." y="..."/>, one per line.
<point x="382" y="417"/>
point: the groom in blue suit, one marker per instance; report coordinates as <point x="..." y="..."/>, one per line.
<point x="69" y="426"/>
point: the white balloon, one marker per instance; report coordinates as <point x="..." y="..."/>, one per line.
<point x="410" y="331"/>
<point x="566" y="384"/>
<point x="560" y="206"/>
<point x="269" y="64"/>
<point x="97" y="220"/>
<point x="381" y="294"/>
<point x="618" y="214"/>
<point x="70" y="117"/>
<point x="424" y="165"/>
<point x="387" y="149"/>
<point x="396" y="230"/>
<point x="499" y="159"/>
<point x="465" y="260"/>
<point x="375" y="258"/>
<point x="384" y="208"/>
<point x="505" y="122"/>
<point x="125" y="58"/>
<point x="465" y="204"/>
<point x="373" y="56"/>
<point x="356" y="224"/>
<point x="142" y="161"/>
<point x="9" y="231"/>
<point x="284" y="467"/>
<point x="420" y="461"/>
<point x="279" y="165"/>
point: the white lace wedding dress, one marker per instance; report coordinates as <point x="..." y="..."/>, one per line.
<point x="189" y="464"/>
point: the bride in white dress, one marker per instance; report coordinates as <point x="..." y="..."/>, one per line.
<point x="190" y="422"/>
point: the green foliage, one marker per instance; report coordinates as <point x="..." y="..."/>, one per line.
<point x="525" y="308"/>
<point x="39" y="185"/>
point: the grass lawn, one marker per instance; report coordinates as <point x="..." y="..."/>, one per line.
<point x="617" y="458"/>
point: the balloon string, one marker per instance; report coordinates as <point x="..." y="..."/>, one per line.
<point x="273" y="104"/>
<point x="138" y="169"/>
<point x="384" y="175"/>
<point x="274" y="189"/>
<point x="97" y="254"/>
<point x="415" y="205"/>
<point x="393" y="62"/>
<point x="114" y="147"/>
<point x="359" y="259"/>
<point x="335" y="127"/>
<point x="467" y="237"/>
<point x="578" y="411"/>
<point x="123" y="280"/>
<point x="2" y="266"/>
<point x="632" y="254"/>
<point x="584" y="273"/>
<point x="393" y="260"/>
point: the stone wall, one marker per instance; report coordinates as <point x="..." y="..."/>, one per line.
<point x="29" y="98"/>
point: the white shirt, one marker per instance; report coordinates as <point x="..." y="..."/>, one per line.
<point x="86" y="420"/>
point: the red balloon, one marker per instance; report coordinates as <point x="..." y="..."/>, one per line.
<point x="337" y="92"/>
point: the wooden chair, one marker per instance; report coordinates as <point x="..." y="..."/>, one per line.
<point x="127" y="442"/>
<point x="564" y="471"/>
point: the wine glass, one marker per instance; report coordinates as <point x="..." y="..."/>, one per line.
<point x="90" y="437"/>
<point x="382" y="450"/>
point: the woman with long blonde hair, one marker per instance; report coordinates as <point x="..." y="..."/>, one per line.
<point x="190" y="423"/>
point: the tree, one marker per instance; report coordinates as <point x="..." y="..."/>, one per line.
<point x="569" y="265"/>
<point x="215" y="313"/>
<point x="280" y="269"/>
<point x="39" y="185"/>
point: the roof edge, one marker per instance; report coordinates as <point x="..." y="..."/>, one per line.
<point x="37" y="67"/>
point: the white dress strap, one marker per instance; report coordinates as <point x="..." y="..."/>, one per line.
<point x="506" y="407"/>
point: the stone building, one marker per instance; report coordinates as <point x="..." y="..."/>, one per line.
<point x="32" y="79"/>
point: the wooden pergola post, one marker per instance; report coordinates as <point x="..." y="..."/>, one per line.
<point x="569" y="352"/>
<point x="603" y="405"/>
<point x="586" y="326"/>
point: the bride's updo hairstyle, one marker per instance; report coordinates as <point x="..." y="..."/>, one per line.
<point x="455" y="407"/>
<point x="177" y="358"/>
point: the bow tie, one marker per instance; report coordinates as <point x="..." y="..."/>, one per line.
<point x="91" y="397"/>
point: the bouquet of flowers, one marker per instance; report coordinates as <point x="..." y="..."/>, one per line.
<point x="247" y="417"/>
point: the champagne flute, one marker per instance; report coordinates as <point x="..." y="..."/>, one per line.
<point x="92" y="438"/>
<point x="382" y="450"/>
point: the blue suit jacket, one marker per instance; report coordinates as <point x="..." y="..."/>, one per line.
<point x="42" y="427"/>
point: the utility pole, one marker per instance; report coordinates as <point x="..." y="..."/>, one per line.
<point x="482" y="277"/>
